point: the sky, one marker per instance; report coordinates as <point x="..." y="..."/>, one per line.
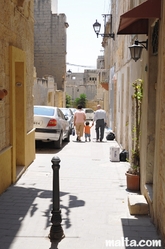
<point x="83" y="46"/>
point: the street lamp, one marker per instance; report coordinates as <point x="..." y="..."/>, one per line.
<point x="69" y="72"/>
<point x="97" y="27"/>
<point x="136" y="49"/>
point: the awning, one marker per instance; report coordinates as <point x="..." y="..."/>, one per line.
<point x="136" y="21"/>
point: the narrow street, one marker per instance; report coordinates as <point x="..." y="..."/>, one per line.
<point x="93" y="201"/>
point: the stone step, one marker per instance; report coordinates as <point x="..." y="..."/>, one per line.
<point x="137" y="204"/>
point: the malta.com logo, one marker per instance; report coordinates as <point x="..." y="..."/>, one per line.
<point x="125" y="242"/>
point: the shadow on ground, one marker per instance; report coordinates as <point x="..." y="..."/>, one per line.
<point x="139" y="232"/>
<point x="18" y="201"/>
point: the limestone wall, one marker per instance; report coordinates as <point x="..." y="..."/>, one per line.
<point x="159" y="165"/>
<point x="50" y="42"/>
<point x="16" y="28"/>
<point x="16" y="67"/>
<point x="44" y="91"/>
<point x="150" y="68"/>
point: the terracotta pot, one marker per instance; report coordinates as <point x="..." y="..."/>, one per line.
<point x="3" y="93"/>
<point x="105" y="85"/>
<point x="133" y="182"/>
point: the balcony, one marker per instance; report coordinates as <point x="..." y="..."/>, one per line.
<point x="105" y="85"/>
<point x="104" y="78"/>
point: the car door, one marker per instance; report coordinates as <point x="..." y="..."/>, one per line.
<point x="64" y="123"/>
<point x="72" y="118"/>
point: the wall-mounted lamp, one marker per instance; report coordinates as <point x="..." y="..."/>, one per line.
<point x="97" y="27"/>
<point x="136" y="49"/>
<point x="69" y="72"/>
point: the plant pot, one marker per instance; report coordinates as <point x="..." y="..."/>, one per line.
<point x="105" y="85"/>
<point x="3" y="93"/>
<point x="133" y="182"/>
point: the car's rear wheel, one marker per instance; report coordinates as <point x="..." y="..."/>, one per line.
<point x="58" y="143"/>
<point x="67" y="139"/>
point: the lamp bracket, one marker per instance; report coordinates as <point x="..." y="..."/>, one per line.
<point x="111" y="35"/>
<point x="141" y="42"/>
<point x="97" y="27"/>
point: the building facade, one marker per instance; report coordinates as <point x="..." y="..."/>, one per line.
<point x="88" y="83"/>
<point x="45" y="92"/>
<point x="50" y="42"/>
<point x="142" y="21"/>
<point x="17" y="143"/>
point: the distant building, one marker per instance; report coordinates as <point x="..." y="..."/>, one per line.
<point x="78" y="83"/>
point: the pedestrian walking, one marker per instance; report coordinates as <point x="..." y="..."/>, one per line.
<point x="100" y="119"/>
<point x="79" y="119"/>
<point x="87" y="131"/>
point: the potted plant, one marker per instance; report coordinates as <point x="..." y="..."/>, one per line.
<point x="133" y="173"/>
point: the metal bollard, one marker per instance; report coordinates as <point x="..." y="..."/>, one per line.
<point x="56" y="231"/>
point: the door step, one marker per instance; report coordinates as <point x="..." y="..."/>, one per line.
<point x="137" y="204"/>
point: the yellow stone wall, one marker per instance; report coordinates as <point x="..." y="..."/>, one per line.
<point x="5" y="169"/>
<point x="59" y="98"/>
<point x="16" y="76"/>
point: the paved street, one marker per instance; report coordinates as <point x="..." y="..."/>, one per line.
<point x="93" y="200"/>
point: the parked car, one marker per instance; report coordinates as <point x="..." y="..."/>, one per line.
<point x="73" y="110"/>
<point x="51" y="125"/>
<point x="69" y="116"/>
<point x="89" y="113"/>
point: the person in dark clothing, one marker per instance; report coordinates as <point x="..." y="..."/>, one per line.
<point x="100" y="119"/>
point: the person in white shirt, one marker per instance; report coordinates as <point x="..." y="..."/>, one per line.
<point x="100" y="119"/>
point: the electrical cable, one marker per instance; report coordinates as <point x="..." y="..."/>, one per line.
<point x="67" y="63"/>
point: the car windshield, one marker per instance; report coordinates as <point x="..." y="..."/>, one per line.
<point x="43" y="111"/>
<point x="73" y="110"/>
<point x="65" y="111"/>
<point x="88" y="111"/>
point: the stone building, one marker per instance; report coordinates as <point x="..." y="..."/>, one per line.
<point x="89" y="83"/>
<point x="17" y="143"/>
<point x="45" y="92"/>
<point x="142" y="21"/>
<point x="49" y="42"/>
<point x="85" y="83"/>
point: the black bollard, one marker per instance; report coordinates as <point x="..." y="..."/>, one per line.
<point x="56" y="231"/>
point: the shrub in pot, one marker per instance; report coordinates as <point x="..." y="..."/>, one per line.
<point x="133" y="173"/>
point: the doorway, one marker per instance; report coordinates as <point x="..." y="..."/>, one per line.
<point x="19" y="117"/>
<point x="17" y="111"/>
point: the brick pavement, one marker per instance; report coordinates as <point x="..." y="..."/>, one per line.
<point x="93" y="201"/>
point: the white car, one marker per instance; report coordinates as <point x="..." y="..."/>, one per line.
<point x="69" y="117"/>
<point x="89" y="113"/>
<point x="50" y="125"/>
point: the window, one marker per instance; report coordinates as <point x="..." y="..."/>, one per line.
<point x="155" y="35"/>
<point x="43" y="111"/>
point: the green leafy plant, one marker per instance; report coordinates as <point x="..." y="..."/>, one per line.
<point x="68" y="101"/>
<point x="137" y="97"/>
<point x="81" y="100"/>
